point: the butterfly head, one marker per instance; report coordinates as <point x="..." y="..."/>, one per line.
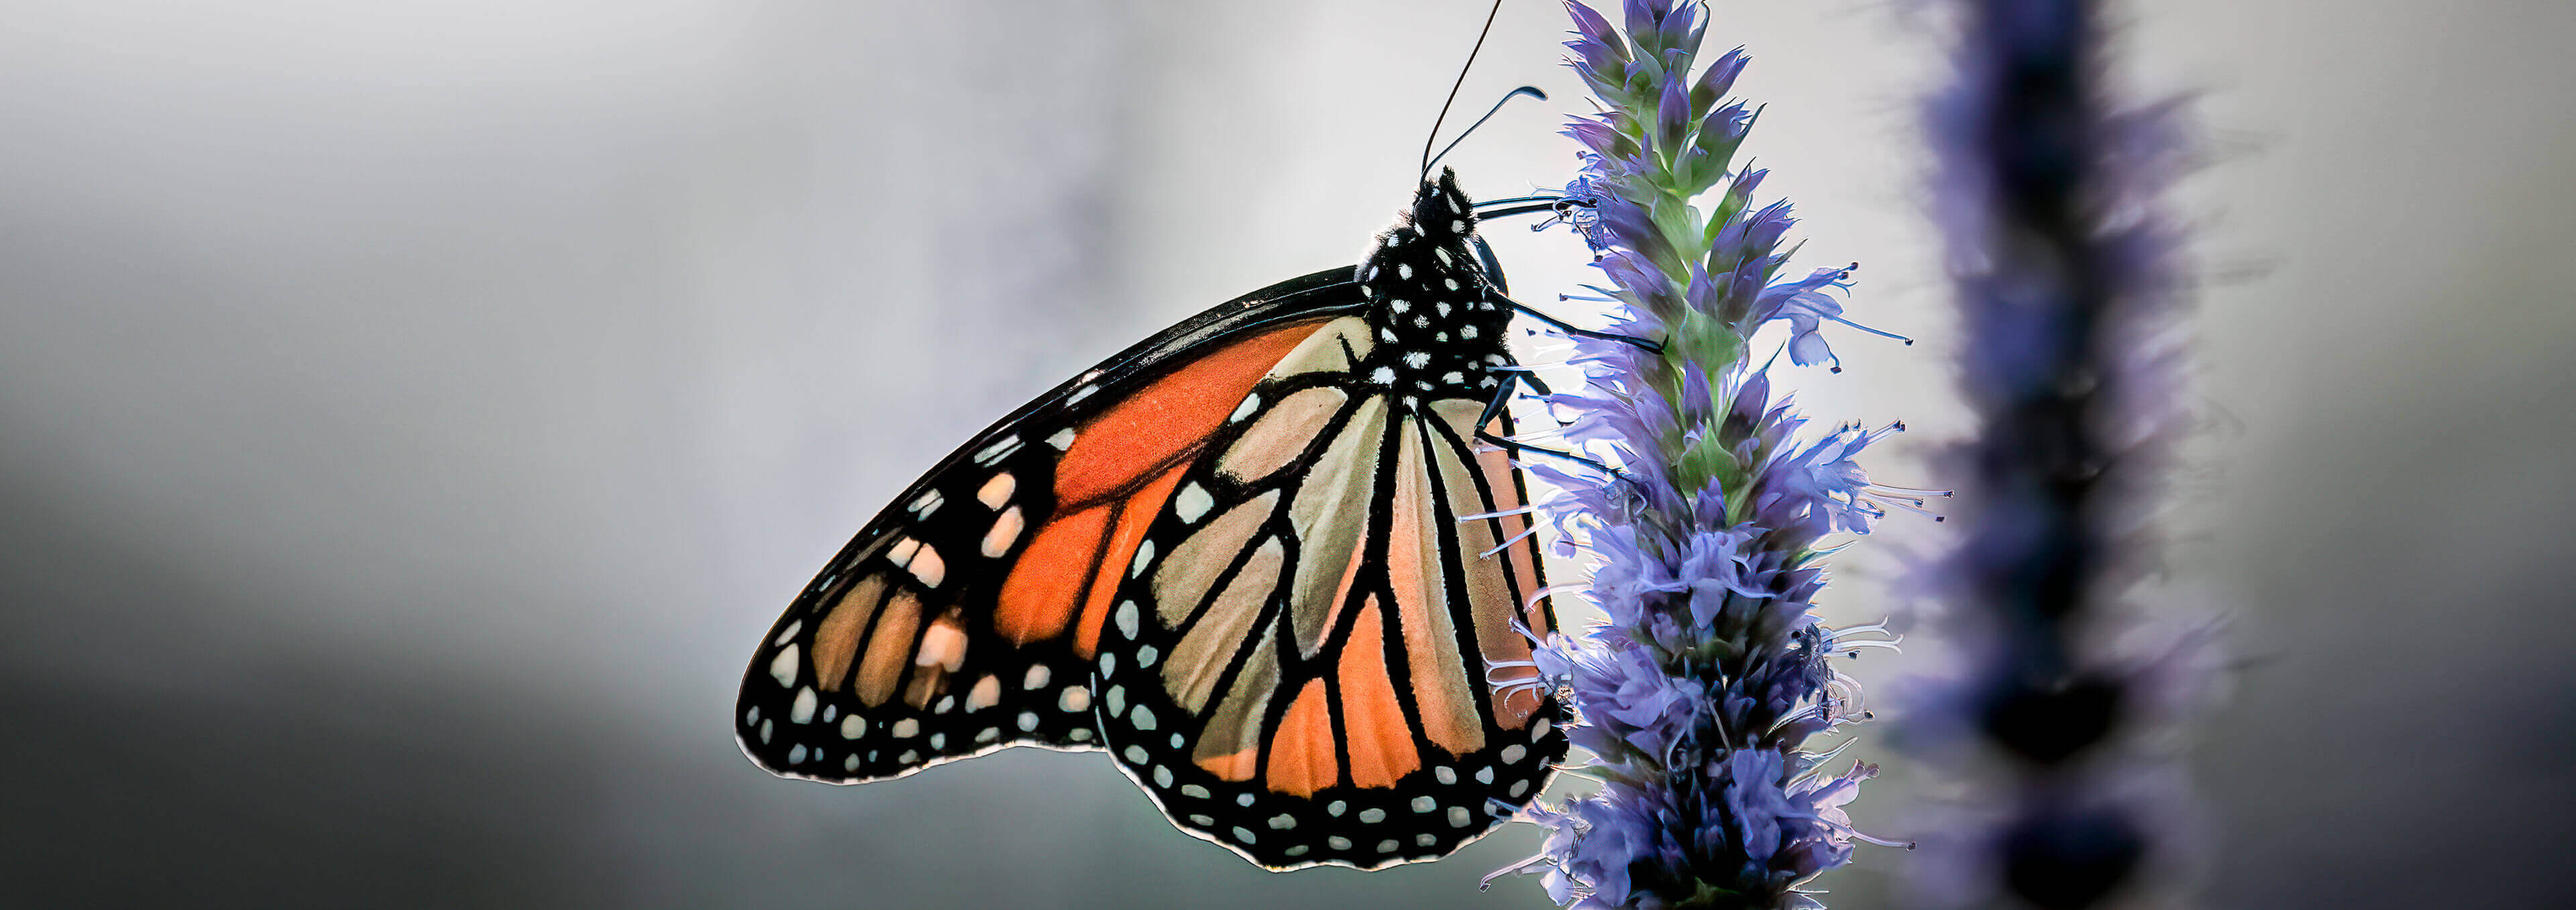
<point x="1439" y="330"/>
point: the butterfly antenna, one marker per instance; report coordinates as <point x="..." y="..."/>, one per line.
<point x="1529" y="90"/>
<point x="1454" y="86"/>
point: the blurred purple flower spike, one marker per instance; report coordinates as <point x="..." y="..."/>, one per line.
<point x="2067" y="285"/>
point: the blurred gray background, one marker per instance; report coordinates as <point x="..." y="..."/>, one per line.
<point x="411" y="413"/>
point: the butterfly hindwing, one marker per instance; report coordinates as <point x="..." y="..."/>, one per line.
<point x="1318" y="657"/>
<point x="964" y="618"/>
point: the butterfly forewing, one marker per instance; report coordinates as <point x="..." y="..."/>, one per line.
<point x="965" y="617"/>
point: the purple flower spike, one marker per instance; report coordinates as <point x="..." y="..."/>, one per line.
<point x="1699" y="694"/>
<point x="2066" y="286"/>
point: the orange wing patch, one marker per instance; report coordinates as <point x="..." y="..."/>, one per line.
<point x="1497" y="586"/>
<point x="1112" y="481"/>
<point x="1164" y="423"/>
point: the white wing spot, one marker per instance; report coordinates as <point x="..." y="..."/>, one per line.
<point x="1403" y="271"/>
<point x="1383" y="376"/>
<point x="987" y="693"/>
<point x="909" y="756"/>
<point x="938" y="741"/>
<point x="1241" y="835"/>
<point x="1244" y="800"/>
<point x="1062" y="440"/>
<point x="1144" y="557"/>
<point x="1037" y="678"/>
<point x="928" y="567"/>
<point x="764" y="731"/>
<point x="1005" y="531"/>
<point x="990" y="734"/>
<point x="1458" y="226"/>
<point x="1294" y="850"/>
<point x="906" y="728"/>
<point x="1146" y="655"/>
<point x="1336" y="808"/>
<point x="803" y="711"/>
<point x="1250" y="404"/>
<point x="1080" y="735"/>
<point x="1519" y="787"/>
<point x="926" y="503"/>
<point x="1080" y="394"/>
<point x="1162" y="777"/>
<point x="1425" y="804"/>
<point x="996" y="491"/>
<point x="1442" y="254"/>
<point x="1485" y="775"/>
<point x="796" y="755"/>
<point x="851" y="763"/>
<point x="1075" y="698"/>
<point x="1125" y="618"/>
<point x="1459" y="817"/>
<point x="1467" y="332"/>
<point x="901" y="553"/>
<point x="1136" y="755"/>
<point x="999" y="448"/>
<point x="1417" y="359"/>
<point x="1202" y="820"/>
<point x="1451" y="282"/>
<point x="1117" y="700"/>
<point x="1539" y="730"/>
<point x="1425" y="840"/>
<point x="787" y="633"/>
<point x="946" y="702"/>
<point x="752" y="716"/>
<point x="853" y="726"/>
<point x="1453" y="378"/>
<point x="783" y="667"/>
<point x="1028" y="721"/>
<point x="1386" y="334"/>
<point x="1372" y="816"/>
<point x="1386" y="846"/>
<point x="1399" y="306"/>
<point x="1512" y="754"/>
<point x="1338" y="842"/>
<point x="1443" y="306"/>
<point x="1421" y="322"/>
<point x="1194" y="791"/>
<point x="1179" y="740"/>
<point x="1445" y="774"/>
<point x="1282" y="822"/>
<point x="1192" y="503"/>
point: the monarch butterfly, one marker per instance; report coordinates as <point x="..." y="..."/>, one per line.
<point x="1275" y="560"/>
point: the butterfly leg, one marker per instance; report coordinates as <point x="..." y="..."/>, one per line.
<point x="1502" y="399"/>
<point x="1648" y="346"/>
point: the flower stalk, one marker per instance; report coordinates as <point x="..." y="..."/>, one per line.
<point x="1699" y="694"/>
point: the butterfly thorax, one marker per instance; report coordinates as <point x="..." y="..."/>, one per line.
<point x="1431" y="306"/>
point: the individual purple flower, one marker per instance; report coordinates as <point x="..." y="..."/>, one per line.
<point x="2066" y="284"/>
<point x="1699" y="694"/>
